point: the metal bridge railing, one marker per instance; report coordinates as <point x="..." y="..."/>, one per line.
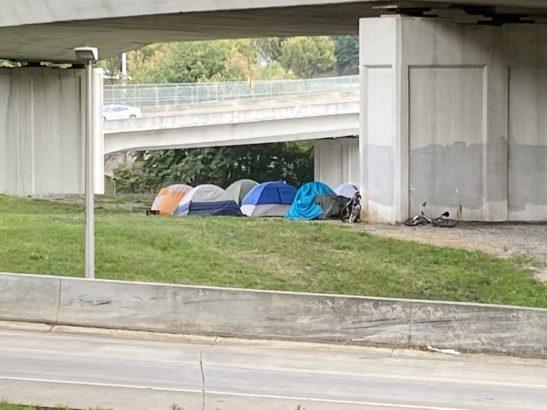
<point x="149" y="95"/>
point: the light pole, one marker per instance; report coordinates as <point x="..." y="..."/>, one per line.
<point x="89" y="55"/>
<point x="124" y="68"/>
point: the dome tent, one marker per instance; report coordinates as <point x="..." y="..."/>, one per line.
<point x="207" y="200"/>
<point x="239" y="189"/>
<point x="347" y="190"/>
<point x="305" y="205"/>
<point x="168" y="198"/>
<point x="269" y="199"/>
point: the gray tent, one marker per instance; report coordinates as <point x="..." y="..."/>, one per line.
<point x="239" y="189"/>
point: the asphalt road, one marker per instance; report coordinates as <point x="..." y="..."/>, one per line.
<point x="120" y="370"/>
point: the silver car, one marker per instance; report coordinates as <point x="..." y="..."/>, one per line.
<point x="120" y="112"/>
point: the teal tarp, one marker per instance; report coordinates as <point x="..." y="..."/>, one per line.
<point x="304" y="205"/>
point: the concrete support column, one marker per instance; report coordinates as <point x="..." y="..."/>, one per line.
<point x="42" y="128"/>
<point x="337" y="161"/>
<point x="383" y="144"/>
<point x="443" y="119"/>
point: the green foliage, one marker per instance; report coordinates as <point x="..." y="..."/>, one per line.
<point x="347" y="54"/>
<point x="186" y="62"/>
<point x="292" y="162"/>
<point x="111" y="66"/>
<point x="230" y="60"/>
<point x="9" y="406"/>
<point x="9" y="64"/>
<point x="196" y="61"/>
<point x="254" y="253"/>
<point x="307" y="57"/>
<point x="270" y="48"/>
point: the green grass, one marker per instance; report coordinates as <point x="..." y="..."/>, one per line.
<point x="8" y="406"/>
<point x="47" y="238"/>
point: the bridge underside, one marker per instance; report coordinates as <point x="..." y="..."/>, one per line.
<point x="50" y="32"/>
<point x="245" y="133"/>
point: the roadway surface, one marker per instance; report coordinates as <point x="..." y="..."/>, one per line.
<point x="123" y="370"/>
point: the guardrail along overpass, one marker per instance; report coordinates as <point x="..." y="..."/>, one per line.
<point x="151" y="97"/>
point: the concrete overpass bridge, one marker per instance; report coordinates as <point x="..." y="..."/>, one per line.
<point x="325" y="111"/>
<point x="193" y="115"/>
<point x="453" y="101"/>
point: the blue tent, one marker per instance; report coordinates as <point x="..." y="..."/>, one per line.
<point x="305" y="205"/>
<point x="268" y="199"/>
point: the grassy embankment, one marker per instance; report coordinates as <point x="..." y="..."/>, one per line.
<point x="47" y="238"/>
<point x="8" y="406"/>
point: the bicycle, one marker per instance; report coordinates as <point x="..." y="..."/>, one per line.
<point x="351" y="212"/>
<point x="442" y="221"/>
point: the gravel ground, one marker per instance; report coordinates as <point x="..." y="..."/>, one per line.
<point x="503" y="240"/>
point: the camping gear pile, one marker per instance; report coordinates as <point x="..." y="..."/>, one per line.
<point x="313" y="201"/>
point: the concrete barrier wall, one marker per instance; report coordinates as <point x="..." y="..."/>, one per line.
<point x="277" y="315"/>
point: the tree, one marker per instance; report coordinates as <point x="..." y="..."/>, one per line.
<point x="9" y="64"/>
<point x="243" y="61"/>
<point x="111" y="67"/>
<point x="347" y="54"/>
<point x="292" y="162"/>
<point x="307" y="57"/>
<point x="270" y="48"/>
<point x="186" y="62"/>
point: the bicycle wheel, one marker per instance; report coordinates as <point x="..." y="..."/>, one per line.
<point x="414" y="221"/>
<point x="353" y="217"/>
<point x="445" y="223"/>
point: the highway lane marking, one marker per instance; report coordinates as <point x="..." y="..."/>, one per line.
<point x="225" y="364"/>
<point x="222" y="393"/>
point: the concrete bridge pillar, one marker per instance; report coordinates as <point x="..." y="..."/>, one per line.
<point x="337" y="161"/>
<point x="42" y="131"/>
<point x="455" y="115"/>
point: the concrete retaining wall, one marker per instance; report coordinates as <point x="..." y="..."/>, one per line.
<point x="277" y="315"/>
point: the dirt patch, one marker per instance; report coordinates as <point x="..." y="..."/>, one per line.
<point x="502" y="240"/>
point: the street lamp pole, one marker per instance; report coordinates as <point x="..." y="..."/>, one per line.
<point x="88" y="56"/>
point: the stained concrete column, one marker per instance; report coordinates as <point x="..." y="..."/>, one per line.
<point x="42" y="113"/>
<point x="337" y="161"/>
<point x="444" y="118"/>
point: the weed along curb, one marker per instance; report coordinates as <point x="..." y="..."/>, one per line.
<point x="274" y="315"/>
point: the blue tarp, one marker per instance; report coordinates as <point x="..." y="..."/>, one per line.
<point x="304" y="205"/>
<point x="271" y="193"/>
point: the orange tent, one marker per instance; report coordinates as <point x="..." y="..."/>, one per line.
<point x="168" y="198"/>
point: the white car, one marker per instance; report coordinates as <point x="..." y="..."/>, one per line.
<point x="120" y="112"/>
